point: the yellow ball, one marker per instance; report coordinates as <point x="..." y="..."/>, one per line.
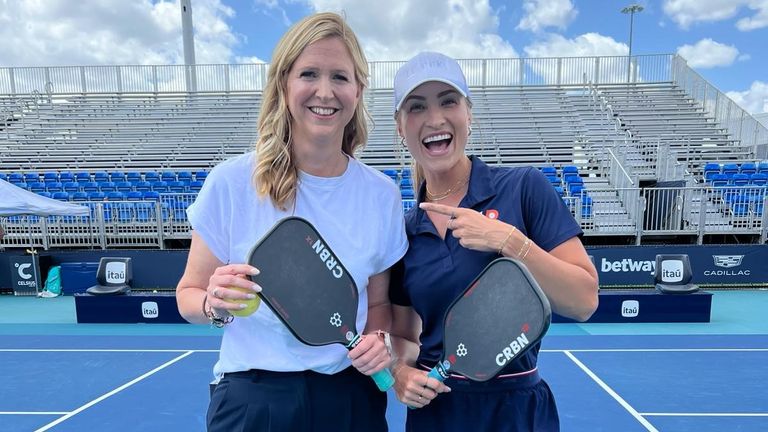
<point x="252" y="304"/>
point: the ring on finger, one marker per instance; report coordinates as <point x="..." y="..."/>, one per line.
<point x="215" y="292"/>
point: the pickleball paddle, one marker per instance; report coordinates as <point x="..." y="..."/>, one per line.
<point x="308" y="288"/>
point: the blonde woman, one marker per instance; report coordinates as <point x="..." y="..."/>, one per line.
<point x="312" y="120"/>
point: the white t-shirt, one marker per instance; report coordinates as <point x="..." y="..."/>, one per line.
<point x="360" y="216"/>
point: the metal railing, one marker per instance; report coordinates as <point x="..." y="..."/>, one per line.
<point x="252" y="77"/>
<point x="740" y="124"/>
<point x="616" y="211"/>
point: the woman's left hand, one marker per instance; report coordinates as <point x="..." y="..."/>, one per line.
<point x="370" y="355"/>
<point x="471" y="228"/>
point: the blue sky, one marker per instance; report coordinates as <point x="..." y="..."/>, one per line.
<point x="721" y="39"/>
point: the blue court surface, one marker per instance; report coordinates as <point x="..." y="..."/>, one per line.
<point x="62" y="376"/>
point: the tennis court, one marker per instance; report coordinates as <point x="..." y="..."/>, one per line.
<point x="62" y="376"/>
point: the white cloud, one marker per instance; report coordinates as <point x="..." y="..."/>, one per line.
<point x="687" y="12"/>
<point x="540" y="14"/>
<point x="459" y="28"/>
<point x="754" y="100"/>
<point x="586" y="45"/>
<point x="65" y="32"/>
<point x="759" y="20"/>
<point x="707" y="53"/>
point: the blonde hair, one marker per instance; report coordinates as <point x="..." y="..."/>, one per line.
<point x="276" y="174"/>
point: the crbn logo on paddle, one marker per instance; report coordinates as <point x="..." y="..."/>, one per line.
<point x="509" y="352"/>
<point x="328" y="259"/>
<point x="672" y="271"/>
<point x="115" y="272"/>
<point x="150" y="310"/>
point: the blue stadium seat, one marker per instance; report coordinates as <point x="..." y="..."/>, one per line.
<point x="4" y="176"/>
<point x="151" y="195"/>
<point x="100" y="177"/>
<point x="549" y="171"/>
<point x="570" y="170"/>
<point x="391" y="174"/>
<point x="79" y="196"/>
<point x="711" y="169"/>
<point x="730" y="169"/>
<point x="151" y="176"/>
<point x="107" y="187"/>
<point x="96" y="195"/>
<point x="407" y="194"/>
<point x="740" y="179"/>
<point x="45" y="194"/>
<point x="115" y="196"/>
<point x="61" y="196"/>
<point x="195" y="186"/>
<point x="145" y="211"/>
<point x="125" y="212"/>
<point x="116" y="176"/>
<point x="586" y="207"/>
<point x="15" y="177"/>
<point x="82" y="176"/>
<point x="142" y="186"/>
<point x="405" y="173"/>
<point x="134" y="196"/>
<point x="31" y="177"/>
<point x="66" y="176"/>
<point x="54" y="187"/>
<point x="50" y="177"/>
<point x="180" y="211"/>
<point x="160" y="186"/>
<point x="201" y="175"/>
<point x="21" y="185"/>
<point x="133" y="176"/>
<point x="90" y="187"/>
<point x="37" y="187"/>
<point x="748" y="168"/>
<point x="71" y="187"/>
<point x="762" y="167"/>
<point x="758" y="179"/>
<point x="177" y="187"/>
<point x="184" y="175"/>
<point x="124" y="186"/>
<point x="168" y="176"/>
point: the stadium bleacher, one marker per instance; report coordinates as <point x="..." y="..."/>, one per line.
<point x="631" y="160"/>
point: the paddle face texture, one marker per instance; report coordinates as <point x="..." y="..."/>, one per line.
<point x="499" y="316"/>
<point x="304" y="283"/>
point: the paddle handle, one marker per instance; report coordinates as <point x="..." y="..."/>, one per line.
<point x="439" y="372"/>
<point x="383" y="378"/>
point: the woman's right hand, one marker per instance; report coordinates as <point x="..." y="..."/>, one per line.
<point x="220" y="284"/>
<point x="414" y="388"/>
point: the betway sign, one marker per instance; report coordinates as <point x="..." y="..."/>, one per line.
<point x="627" y="265"/>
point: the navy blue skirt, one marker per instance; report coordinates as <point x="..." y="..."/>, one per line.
<point x="258" y="400"/>
<point x="511" y="404"/>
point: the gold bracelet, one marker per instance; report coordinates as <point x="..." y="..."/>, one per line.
<point x="528" y="249"/>
<point x="504" y="243"/>
<point x="526" y="244"/>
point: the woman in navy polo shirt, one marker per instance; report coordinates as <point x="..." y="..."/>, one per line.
<point x="469" y="214"/>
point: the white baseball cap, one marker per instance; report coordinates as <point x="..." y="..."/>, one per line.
<point x="425" y="67"/>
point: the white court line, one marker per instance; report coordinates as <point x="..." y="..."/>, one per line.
<point x="104" y="350"/>
<point x="706" y="414"/>
<point x="33" y="412"/>
<point x="657" y="350"/>
<point x="648" y="426"/>
<point x="115" y="391"/>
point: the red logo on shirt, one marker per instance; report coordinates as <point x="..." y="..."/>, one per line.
<point x="492" y="214"/>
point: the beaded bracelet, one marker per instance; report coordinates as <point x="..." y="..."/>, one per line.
<point x="216" y="320"/>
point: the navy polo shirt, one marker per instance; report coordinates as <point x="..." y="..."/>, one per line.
<point x="435" y="271"/>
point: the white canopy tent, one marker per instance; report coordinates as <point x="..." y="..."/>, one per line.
<point x="17" y="201"/>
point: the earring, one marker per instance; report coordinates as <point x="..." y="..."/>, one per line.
<point x="469" y="130"/>
<point x="402" y="141"/>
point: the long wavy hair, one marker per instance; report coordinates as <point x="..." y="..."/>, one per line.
<point x="276" y="173"/>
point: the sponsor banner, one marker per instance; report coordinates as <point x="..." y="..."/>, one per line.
<point x="25" y="275"/>
<point x="710" y="265"/>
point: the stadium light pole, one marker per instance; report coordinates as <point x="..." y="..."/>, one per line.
<point x="631" y="10"/>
